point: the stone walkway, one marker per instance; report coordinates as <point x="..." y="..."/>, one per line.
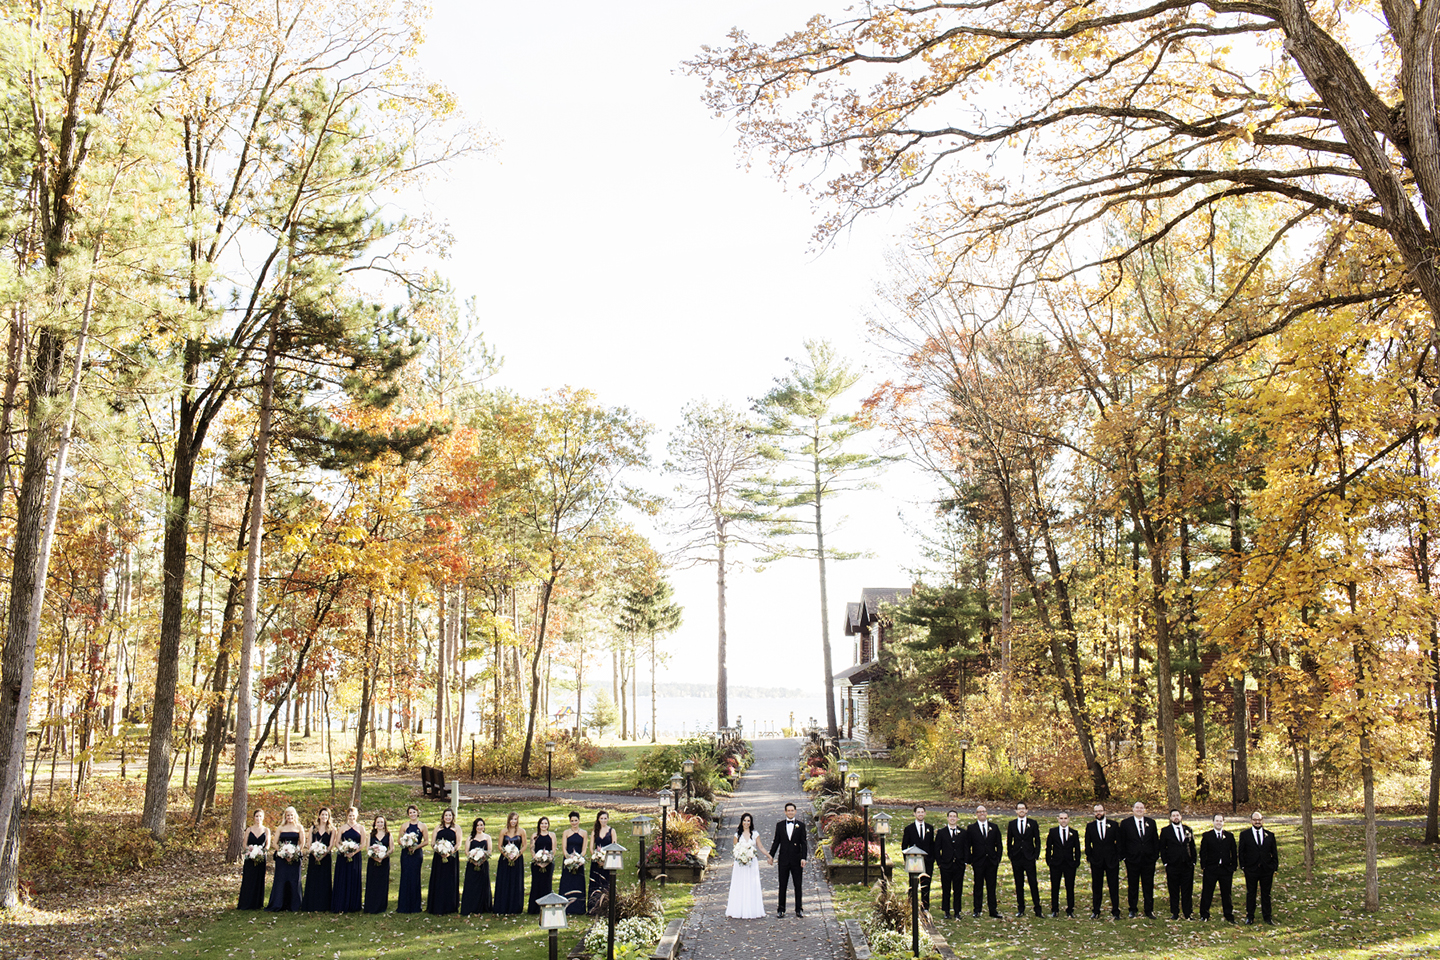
<point x="708" y="933"/>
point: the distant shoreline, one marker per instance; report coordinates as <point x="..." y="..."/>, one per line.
<point x="706" y="691"/>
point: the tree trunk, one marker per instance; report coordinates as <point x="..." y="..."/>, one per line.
<point x="722" y="676"/>
<point x="830" y="723"/>
<point x="240" y="789"/>
<point x="545" y="591"/>
<point x="442" y="626"/>
<point x="369" y="665"/>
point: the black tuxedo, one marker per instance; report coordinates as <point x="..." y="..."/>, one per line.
<point x="1024" y="852"/>
<point x="987" y="846"/>
<point x="1140" y="849"/>
<point x="1102" y="852"/>
<point x="921" y="835"/>
<point x="952" y="851"/>
<point x="1259" y="861"/>
<point x="1063" y="858"/>
<point x="793" y="849"/>
<point x="1178" y="855"/>
<point x="1217" y="867"/>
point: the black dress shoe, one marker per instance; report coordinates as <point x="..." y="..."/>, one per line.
<point x="1269" y="923"/>
<point x="1229" y="919"/>
<point x="1174" y="916"/>
<point x="975" y="914"/>
<point x="1070" y="913"/>
<point x="946" y="913"/>
<point x="1149" y="915"/>
<point x="1249" y="921"/>
<point x="1133" y="914"/>
<point x="996" y="916"/>
<point x="1094" y="914"/>
<point x="780" y="914"/>
<point x="1204" y="919"/>
<point x="799" y="913"/>
<point x="1019" y="913"/>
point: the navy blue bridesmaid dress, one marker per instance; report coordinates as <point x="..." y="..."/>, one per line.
<point x="408" y="900"/>
<point x="252" y="875"/>
<point x="345" y="897"/>
<point x="317" y="877"/>
<point x="599" y="876"/>
<point x="476" y="898"/>
<point x="377" y="877"/>
<point x="444" y="876"/>
<point x="285" y="891"/>
<point x="572" y="885"/>
<point x="542" y="879"/>
<point x="510" y="880"/>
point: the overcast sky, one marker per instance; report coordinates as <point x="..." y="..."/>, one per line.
<point x="614" y="241"/>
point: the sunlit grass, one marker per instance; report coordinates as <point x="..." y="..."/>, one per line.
<point x="1321" y="918"/>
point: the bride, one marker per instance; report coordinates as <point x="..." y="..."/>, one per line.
<point x="746" y="900"/>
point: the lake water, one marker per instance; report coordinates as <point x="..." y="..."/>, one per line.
<point x="683" y="716"/>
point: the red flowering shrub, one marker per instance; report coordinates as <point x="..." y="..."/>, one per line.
<point x="854" y="849"/>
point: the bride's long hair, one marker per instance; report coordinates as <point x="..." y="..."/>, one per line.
<point x="740" y="830"/>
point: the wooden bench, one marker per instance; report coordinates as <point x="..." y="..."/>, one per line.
<point x="432" y="783"/>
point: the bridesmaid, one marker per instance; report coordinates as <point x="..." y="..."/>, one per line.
<point x="510" y="874"/>
<point x="541" y="875"/>
<point x="445" y="870"/>
<point x="285" y="891"/>
<point x="252" y="872"/>
<point x="317" y="875"/>
<point x="477" y="878"/>
<point x="377" y="872"/>
<point x="411" y="859"/>
<point x="601" y="836"/>
<point x="572" y="884"/>
<point x="345" y="897"/>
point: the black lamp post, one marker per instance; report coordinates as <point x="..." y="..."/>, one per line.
<point x="552" y="918"/>
<point x="852" y="781"/>
<point x="882" y="830"/>
<point x="641" y="827"/>
<point x="676" y="782"/>
<point x="1234" y="756"/>
<point x="915" y="866"/>
<point x="843" y="766"/>
<point x="866" y="798"/>
<point x="472" y="761"/>
<point x="964" y="746"/>
<point x="664" y="836"/>
<point x="549" y="767"/>
<point x="614" y="863"/>
<point x="689" y="770"/>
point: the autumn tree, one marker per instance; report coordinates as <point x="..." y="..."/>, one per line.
<point x="711" y="453"/>
<point x="808" y="438"/>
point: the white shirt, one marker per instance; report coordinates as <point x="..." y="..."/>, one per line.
<point x="1140" y="825"/>
<point x="1101" y="823"/>
<point x="789" y="828"/>
<point x="1021" y="823"/>
<point x="1064" y="834"/>
<point x="1179" y="832"/>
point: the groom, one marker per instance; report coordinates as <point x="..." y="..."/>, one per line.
<point x="790" y="841"/>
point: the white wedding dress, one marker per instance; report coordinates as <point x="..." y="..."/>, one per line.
<point x="747" y="902"/>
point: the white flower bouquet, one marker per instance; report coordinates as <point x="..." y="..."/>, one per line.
<point x="319" y="850"/>
<point x="255" y="852"/>
<point x="288" y="852"/>
<point x="512" y="852"/>
<point x="478" y="855"/>
<point x="410" y="841"/>
<point x="349" y="848"/>
<point x="574" y="862"/>
<point x="543" y="859"/>
<point x="378" y="852"/>
<point x="445" y="849"/>
<point x="598" y="858"/>
<point x="745" y="854"/>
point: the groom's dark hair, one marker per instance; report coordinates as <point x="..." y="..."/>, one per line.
<point x="789" y="806"/>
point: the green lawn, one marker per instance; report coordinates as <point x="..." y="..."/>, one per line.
<point x="270" y="936"/>
<point x="1320" y="918"/>
<point x="614" y="774"/>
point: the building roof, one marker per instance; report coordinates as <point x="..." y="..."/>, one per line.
<point x="852" y="619"/>
<point x="872" y="597"/>
<point x="860" y="673"/>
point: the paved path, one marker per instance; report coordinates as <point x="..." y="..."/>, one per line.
<point x="709" y="934"/>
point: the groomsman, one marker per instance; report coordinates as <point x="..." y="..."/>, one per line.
<point x="1217" y="868"/>
<point x="1177" y="852"/>
<point x="1102" y="852"/>
<point x="1140" y="849"/>
<point x="1062" y="855"/>
<point x="987" y="846"/>
<point x="952" y="849"/>
<point x="1023" y="847"/>
<point x="921" y="834"/>
<point x="1259" y="857"/>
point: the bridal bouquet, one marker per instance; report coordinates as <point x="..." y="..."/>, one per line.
<point x="411" y="842"/>
<point x="445" y="848"/>
<point x="349" y="848"/>
<point x="378" y="851"/>
<point x="318" y="850"/>
<point x="255" y="852"/>
<point x="745" y="854"/>
<point x="543" y="859"/>
<point x="574" y="862"/>
<point x="478" y="855"/>
<point x="598" y="858"/>
<point x="512" y="852"/>
<point x="288" y="852"/>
